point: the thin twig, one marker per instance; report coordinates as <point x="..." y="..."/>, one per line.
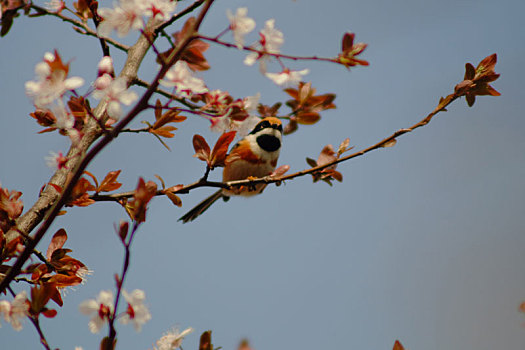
<point x="35" y="321"/>
<point x="87" y="30"/>
<point x="183" y="13"/>
<point x="181" y="100"/>
<point x="263" y="52"/>
<point x="120" y="283"/>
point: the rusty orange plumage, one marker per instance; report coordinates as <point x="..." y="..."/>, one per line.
<point x="255" y="155"/>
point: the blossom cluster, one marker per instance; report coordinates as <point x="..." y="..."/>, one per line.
<point x="128" y="15"/>
<point x="114" y="90"/>
<point x="102" y="309"/>
<point x="269" y="44"/>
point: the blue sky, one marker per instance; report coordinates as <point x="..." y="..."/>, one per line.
<point x="422" y="242"/>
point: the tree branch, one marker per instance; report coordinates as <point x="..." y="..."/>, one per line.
<point x="179" y="15"/>
<point x="56" y="202"/>
<point x="181" y="100"/>
<point x="86" y="30"/>
<point x="216" y="40"/>
<point x="268" y="180"/>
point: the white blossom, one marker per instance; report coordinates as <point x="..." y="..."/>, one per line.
<point x="122" y="18"/>
<point x="287" y="77"/>
<point x="137" y="312"/>
<point x="270" y="42"/>
<point x="99" y="309"/>
<point x="240" y="24"/>
<point x="273" y="39"/>
<point x="172" y="339"/>
<point x="51" y="84"/>
<point x="16" y="310"/>
<point x="181" y="77"/>
<point x="117" y="93"/>
<point x="159" y="9"/>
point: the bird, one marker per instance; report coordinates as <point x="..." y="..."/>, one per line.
<point x="255" y="155"/>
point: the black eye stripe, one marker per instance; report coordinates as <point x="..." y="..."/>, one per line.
<point x="266" y="124"/>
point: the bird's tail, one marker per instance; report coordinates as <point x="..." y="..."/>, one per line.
<point x="201" y="207"/>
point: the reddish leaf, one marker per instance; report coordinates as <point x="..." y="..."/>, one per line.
<point x="308" y="118"/>
<point x="244" y="345"/>
<point x="290" y="127"/>
<point x="171" y="116"/>
<point x="65" y="280"/>
<point x="49" y="313"/>
<point x="327" y="155"/>
<point x="158" y="109"/>
<point x="107" y="344"/>
<point x="57" y="298"/>
<point x="83" y="9"/>
<point x="350" y="50"/>
<point x="164" y="131"/>
<point x="311" y="162"/>
<point x="220" y="150"/>
<point x="202" y="150"/>
<point x="110" y="182"/>
<point x="336" y="175"/>
<point x="82" y="201"/>
<point x="93" y="177"/>
<point x="174" y="198"/>
<point x="123" y="230"/>
<point x="205" y="341"/>
<point x="143" y="194"/>
<point x="161" y="180"/>
<point x="398" y="346"/>
<point x="57" y="242"/>
<point x="47" y="130"/>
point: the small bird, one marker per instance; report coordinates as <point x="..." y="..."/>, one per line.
<point x="254" y="156"/>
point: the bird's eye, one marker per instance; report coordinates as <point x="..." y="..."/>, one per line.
<point x="262" y="125"/>
<point x="280" y="127"/>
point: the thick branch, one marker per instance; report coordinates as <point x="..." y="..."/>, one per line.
<point x="55" y="201"/>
